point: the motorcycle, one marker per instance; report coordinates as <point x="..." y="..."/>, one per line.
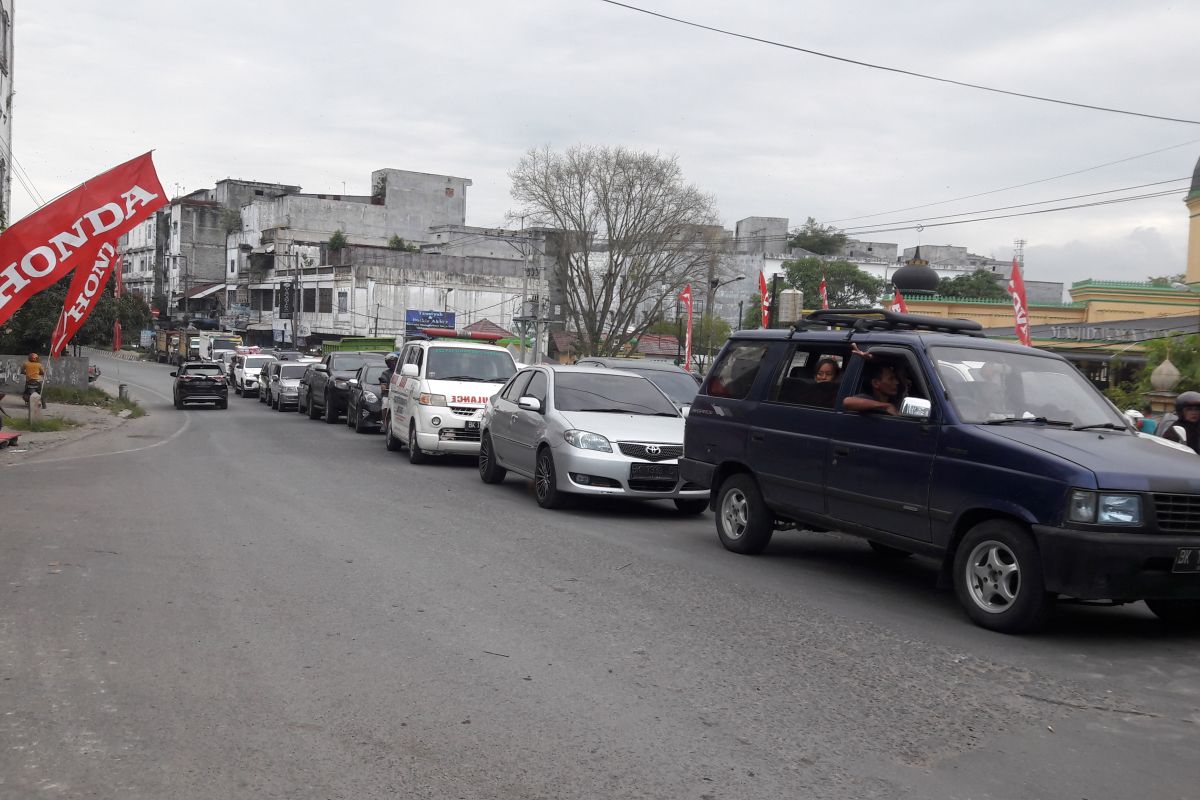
<point x="30" y="388"/>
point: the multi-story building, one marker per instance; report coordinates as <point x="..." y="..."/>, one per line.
<point x="7" y="9"/>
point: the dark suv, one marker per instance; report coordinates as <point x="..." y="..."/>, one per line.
<point x="325" y="387"/>
<point x="1001" y="461"/>
<point x="200" y="382"/>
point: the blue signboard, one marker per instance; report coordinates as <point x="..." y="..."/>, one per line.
<point x="415" y="320"/>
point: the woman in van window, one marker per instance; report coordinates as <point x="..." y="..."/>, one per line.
<point x="828" y="371"/>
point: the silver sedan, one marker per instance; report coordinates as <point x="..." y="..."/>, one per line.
<point x="586" y="430"/>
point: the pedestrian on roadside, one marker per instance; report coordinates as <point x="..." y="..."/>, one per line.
<point x="35" y="379"/>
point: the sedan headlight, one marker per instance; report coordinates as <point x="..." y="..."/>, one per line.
<point x="1102" y="508"/>
<point x="370" y="396"/>
<point x="432" y="399"/>
<point x="586" y="440"/>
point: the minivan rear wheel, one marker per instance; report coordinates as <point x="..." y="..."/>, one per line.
<point x="744" y="523"/>
<point x="998" y="578"/>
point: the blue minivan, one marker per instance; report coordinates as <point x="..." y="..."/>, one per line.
<point x="921" y="436"/>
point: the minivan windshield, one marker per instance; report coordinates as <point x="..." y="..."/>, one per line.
<point x="470" y="364"/>
<point x="997" y="387"/>
<point x="609" y="393"/>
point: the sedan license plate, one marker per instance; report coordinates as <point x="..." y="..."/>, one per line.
<point x="471" y="426"/>
<point x="660" y="471"/>
<point x="1187" y="559"/>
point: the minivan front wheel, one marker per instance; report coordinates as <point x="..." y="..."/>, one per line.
<point x="998" y="578"/>
<point x="744" y="523"/>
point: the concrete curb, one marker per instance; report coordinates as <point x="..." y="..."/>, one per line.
<point x="124" y="355"/>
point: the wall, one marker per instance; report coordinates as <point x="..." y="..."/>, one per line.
<point x="7" y="57"/>
<point x="63" y="371"/>
<point x="761" y="234"/>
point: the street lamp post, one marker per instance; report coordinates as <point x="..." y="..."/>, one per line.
<point x="713" y="286"/>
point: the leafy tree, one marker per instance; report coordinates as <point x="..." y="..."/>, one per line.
<point x="824" y="240"/>
<point x="752" y="312"/>
<point x="337" y="241"/>
<point x="398" y="243"/>
<point x="630" y="233"/>
<point x="979" y="284"/>
<point x="29" y="329"/>
<point x="1167" y="280"/>
<point x="846" y="285"/>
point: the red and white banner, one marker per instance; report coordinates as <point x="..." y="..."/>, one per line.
<point x="686" y="297"/>
<point x="898" y="303"/>
<point x="824" y="293"/>
<point x="40" y="249"/>
<point x="87" y="284"/>
<point x="1016" y="288"/>
<point x="765" y="297"/>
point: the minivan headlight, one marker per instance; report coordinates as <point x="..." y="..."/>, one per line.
<point x="426" y="399"/>
<point x="586" y="440"/>
<point x="1103" y="508"/>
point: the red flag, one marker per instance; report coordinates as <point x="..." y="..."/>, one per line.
<point x="824" y="293"/>
<point x="116" y="335"/>
<point x="686" y="297"/>
<point x="87" y="284"/>
<point x="44" y="246"/>
<point x="1016" y="288"/>
<point x="898" y="303"/>
<point x="765" y="298"/>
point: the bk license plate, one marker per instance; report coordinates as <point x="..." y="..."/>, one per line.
<point x="661" y="471"/>
<point x="471" y="426"/>
<point x="1187" y="559"/>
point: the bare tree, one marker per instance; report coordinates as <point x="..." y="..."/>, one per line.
<point x="633" y="233"/>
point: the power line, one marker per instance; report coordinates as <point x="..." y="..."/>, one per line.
<point x="896" y="69"/>
<point x="1014" y="186"/>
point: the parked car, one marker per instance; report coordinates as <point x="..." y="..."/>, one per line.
<point x="587" y="430"/>
<point x="285" y="385"/>
<point x="365" y="404"/>
<point x="437" y="395"/>
<point x="200" y="382"/>
<point x="1002" y="462"/>
<point x="246" y="369"/>
<point x="676" y="382"/>
<point x="326" y="385"/>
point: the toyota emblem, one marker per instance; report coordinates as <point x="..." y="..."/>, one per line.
<point x="653" y="449"/>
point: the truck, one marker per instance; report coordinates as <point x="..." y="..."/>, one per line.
<point x="164" y="342"/>
<point x="361" y="344"/>
<point x="213" y="343"/>
<point x="175" y="347"/>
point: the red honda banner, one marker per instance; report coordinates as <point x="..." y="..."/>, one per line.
<point x="87" y="284"/>
<point x="686" y="297"/>
<point x="898" y="303"/>
<point x="40" y="249"/>
<point x="116" y="335"/>
<point x="766" y="299"/>
<point x="1016" y="288"/>
<point x="824" y="293"/>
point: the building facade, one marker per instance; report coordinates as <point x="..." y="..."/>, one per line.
<point x="7" y="40"/>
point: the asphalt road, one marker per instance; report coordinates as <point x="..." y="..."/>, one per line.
<point x="244" y="603"/>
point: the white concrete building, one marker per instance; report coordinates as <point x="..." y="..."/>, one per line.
<point x="7" y="9"/>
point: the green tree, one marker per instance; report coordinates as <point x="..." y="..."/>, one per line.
<point x="979" y="284"/>
<point x="337" y="241"/>
<point x="708" y="330"/>
<point x="824" y="240"/>
<point x="752" y="313"/>
<point x="1167" y="280"/>
<point x="29" y="329"/>
<point x="846" y="285"/>
<point x="398" y="243"/>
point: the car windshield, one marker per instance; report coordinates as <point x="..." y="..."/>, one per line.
<point x="256" y="362"/>
<point x="469" y="364"/>
<point x="292" y="370"/>
<point x="678" y="386"/>
<point x="349" y="362"/>
<point x="224" y="344"/>
<point x="996" y="386"/>
<point x="610" y="393"/>
<point x="372" y="373"/>
<point x="201" y="369"/>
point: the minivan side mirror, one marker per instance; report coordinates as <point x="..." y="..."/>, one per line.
<point x="530" y="404"/>
<point x="409" y="371"/>
<point x="320" y="368"/>
<point x="173" y="374"/>
<point x="916" y="408"/>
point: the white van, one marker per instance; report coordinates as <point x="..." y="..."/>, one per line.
<point x="437" y="395"/>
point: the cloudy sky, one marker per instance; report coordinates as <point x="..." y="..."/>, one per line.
<point x="320" y="94"/>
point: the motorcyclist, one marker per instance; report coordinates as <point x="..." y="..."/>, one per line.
<point x="35" y="378"/>
<point x="1186" y="429"/>
<point x="385" y="377"/>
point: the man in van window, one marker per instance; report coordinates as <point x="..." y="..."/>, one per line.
<point x="884" y="395"/>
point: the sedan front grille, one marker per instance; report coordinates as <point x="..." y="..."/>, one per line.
<point x="1178" y="512"/>
<point x="650" y="451"/>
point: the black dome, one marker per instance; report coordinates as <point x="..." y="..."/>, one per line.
<point x="915" y="276"/>
<point x="1195" y="190"/>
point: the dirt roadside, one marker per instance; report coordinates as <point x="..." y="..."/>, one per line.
<point x="91" y="421"/>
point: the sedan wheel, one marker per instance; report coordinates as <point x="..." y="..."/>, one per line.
<point x="489" y="469"/>
<point x="998" y="578"/>
<point x="545" y="481"/>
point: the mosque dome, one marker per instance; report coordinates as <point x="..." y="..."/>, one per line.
<point x="916" y="276"/>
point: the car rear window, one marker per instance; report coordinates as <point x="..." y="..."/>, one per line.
<point x="256" y="362"/>
<point x="292" y="370"/>
<point x="202" y="369"/>
<point x="350" y="362"/>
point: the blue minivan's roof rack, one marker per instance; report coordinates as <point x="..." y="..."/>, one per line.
<point x="878" y="319"/>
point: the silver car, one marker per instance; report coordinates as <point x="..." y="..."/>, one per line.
<point x="586" y="430"/>
<point x="285" y="385"/>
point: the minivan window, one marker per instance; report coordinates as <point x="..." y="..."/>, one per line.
<point x="734" y="374"/>
<point x="991" y="386"/>
<point x="469" y="364"/>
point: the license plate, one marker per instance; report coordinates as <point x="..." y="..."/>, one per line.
<point x="1187" y="559"/>
<point x="664" y="471"/>
<point x="471" y="426"/>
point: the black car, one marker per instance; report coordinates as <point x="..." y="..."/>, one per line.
<point x="1002" y="462"/>
<point x="200" y="382"/>
<point x="365" y="407"/>
<point x="325" y="387"/>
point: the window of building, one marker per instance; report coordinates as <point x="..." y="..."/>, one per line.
<point x="325" y="301"/>
<point x="232" y="268"/>
<point x="343" y="302"/>
<point x="310" y="300"/>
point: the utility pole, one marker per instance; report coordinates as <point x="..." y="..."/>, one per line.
<point x="773" y="317"/>
<point x="376" y="329"/>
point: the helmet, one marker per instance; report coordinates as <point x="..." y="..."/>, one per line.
<point x="34" y="357"/>
<point x="1187" y="399"/>
<point x="391" y="358"/>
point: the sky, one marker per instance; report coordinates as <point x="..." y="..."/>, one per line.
<point x="320" y="94"/>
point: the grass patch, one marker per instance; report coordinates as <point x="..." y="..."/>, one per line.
<point x="43" y="425"/>
<point x="118" y="405"/>
<point x="91" y="396"/>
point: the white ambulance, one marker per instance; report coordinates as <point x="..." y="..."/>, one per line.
<point x="438" y="392"/>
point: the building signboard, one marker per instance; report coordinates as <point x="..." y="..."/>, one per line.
<point x="415" y="320"/>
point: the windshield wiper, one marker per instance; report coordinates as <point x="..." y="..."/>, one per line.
<point x="1040" y="420"/>
<point x="604" y="411"/>
<point x="459" y="378"/>
<point x="1109" y="425"/>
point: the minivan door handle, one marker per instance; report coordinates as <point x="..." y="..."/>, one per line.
<point x="841" y="451"/>
<point x="757" y="437"/>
